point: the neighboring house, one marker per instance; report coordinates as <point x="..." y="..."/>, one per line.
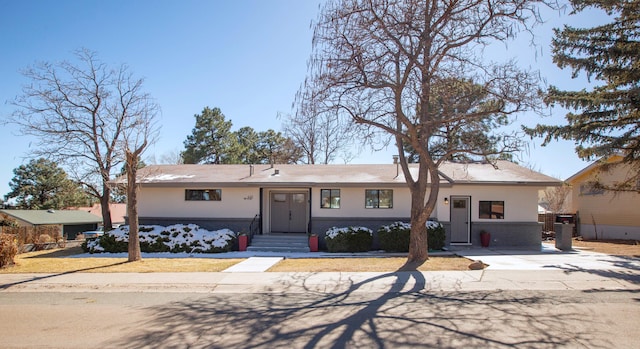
<point x="313" y="198"/>
<point x="605" y="214"/>
<point x="118" y="212"/>
<point x="71" y="222"/>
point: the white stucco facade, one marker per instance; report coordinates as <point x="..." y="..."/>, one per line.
<point x="170" y="202"/>
<point x="520" y="202"/>
<point x="352" y="203"/>
<point x="289" y="199"/>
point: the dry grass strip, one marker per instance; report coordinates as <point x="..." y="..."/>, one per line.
<point x="54" y="261"/>
<point x="367" y="264"/>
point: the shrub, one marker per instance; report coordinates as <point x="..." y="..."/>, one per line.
<point x="8" y="249"/>
<point x="395" y="237"/>
<point x="176" y="238"/>
<point x="157" y="245"/>
<point x="435" y="235"/>
<point x="108" y="243"/>
<point x="6" y="221"/>
<point x="351" y="239"/>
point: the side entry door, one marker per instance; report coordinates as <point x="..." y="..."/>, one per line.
<point x="460" y="220"/>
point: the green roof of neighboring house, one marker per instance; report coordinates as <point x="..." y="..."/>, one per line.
<point x="45" y="217"/>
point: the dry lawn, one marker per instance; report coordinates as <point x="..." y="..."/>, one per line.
<point x="612" y="247"/>
<point x="53" y="261"/>
<point x="367" y="264"/>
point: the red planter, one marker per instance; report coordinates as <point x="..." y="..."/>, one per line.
<point x="243" y="241"/>
<point x="313" y="243"/>
<point x="485" y="239"/>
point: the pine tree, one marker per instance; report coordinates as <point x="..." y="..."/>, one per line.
<point x="606" y="120"/>
<point x="41" y="184"/>
<point x="210" y="139"/>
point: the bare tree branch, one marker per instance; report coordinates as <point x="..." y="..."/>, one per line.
<point x="401" y="68"/>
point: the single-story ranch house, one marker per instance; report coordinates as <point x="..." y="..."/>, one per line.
<point x="70" y="222"/>
<point x="301" y="199"/>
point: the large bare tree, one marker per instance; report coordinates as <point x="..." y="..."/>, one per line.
<point x="557" y="199"/>
<point x="140" y="131"/>
<point x="387" y="64"/>
<point x="75" y="112"/>
<point x="322" y="136"/>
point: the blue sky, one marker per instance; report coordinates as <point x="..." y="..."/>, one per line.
<point x="247" y="57"/>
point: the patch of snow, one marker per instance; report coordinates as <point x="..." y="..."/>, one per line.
<point x="167" y="177"/>
<point x="173" y="236"/>
<point x="333" y="232"/>
<point x="404" y="225"/>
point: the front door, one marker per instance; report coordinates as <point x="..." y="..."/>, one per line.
<point x="289" y="212"/>
<point x="460" y="219"/>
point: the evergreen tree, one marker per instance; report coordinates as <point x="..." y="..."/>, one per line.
<point x="606" y="120"/>
<point x="41" y="184"/>
<point x="212" y="142"/>
<point x="210" y="139"/>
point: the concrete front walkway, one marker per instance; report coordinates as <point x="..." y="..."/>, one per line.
<point x="254" y="265"/>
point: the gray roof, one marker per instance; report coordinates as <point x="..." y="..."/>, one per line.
<point x="46" y="217"/>
<point x="344" y="175"/>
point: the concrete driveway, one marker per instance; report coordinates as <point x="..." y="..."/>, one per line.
<point x="549" y="258"/>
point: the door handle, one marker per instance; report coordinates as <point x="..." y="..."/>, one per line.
<point x="289" y="214"/>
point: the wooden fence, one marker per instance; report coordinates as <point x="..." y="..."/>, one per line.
<point x="549" y="219"/>
<point x="35" y="238"/>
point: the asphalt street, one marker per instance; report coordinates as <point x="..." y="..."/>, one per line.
<point x="546" y="299"/>
<point x="406" y="319"/>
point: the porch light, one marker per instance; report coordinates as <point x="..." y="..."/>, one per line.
<point x="446" y="201"/>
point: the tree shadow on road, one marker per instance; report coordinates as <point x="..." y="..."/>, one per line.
<point x="623" y="268"/>
<point x="362" y="314"/>
<point x="53" y="275"/>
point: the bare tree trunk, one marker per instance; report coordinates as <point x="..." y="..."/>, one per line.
<point x="421" y="209"/>
<point x="132" y="207"/>
<point x="418" y="249"/>
<point x="107" y="222"/>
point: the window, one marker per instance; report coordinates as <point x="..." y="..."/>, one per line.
<point x="591" y="188"/>
<point x="460" y="203"/>
<point x="491" y="209"/>
<point x="280" y="197"/>
<point x="330" y="198"/>
<point x="203" y="194"/>
<point x="378" y="198"/>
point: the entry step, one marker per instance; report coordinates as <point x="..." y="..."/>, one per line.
<point x="279" y="243"/>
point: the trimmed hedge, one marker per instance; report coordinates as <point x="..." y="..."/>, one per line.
<point x="395" y="237"/>
<point x="351" y="239"/>
<point x="175" y="239"/>
<point x="436" y="235"/>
